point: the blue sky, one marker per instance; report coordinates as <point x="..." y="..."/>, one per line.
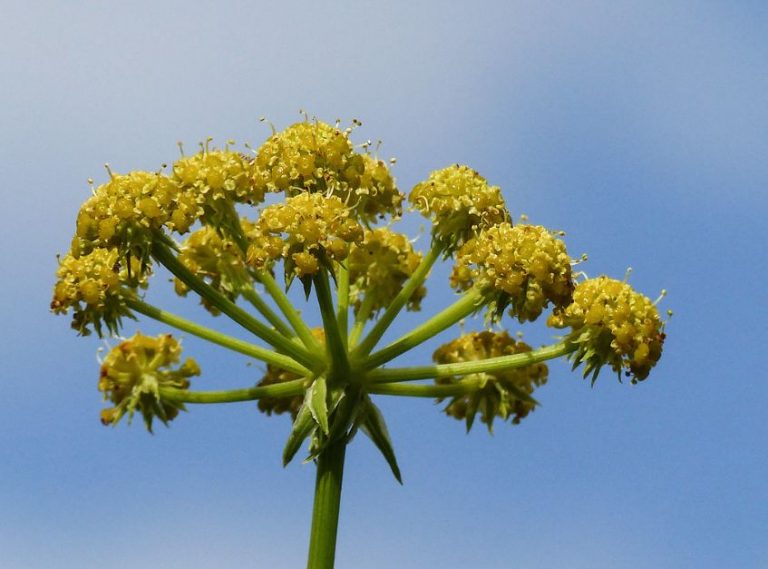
<point x="637" y="127"/>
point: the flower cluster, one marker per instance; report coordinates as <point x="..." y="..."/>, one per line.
<point x="124" y="212"/>
<point x="378" y="268"/>
<point x="217" y="260"/>
<point x="612" y="324"/>
<point x="95" y="287"/>
<point x="525" y="267"/>
<point x="133" y="373"/>
<point x="501" y="394"/>
<point x="317" y="157"/>
<point x="306" y="231"/>
<point x="460" y="204"/>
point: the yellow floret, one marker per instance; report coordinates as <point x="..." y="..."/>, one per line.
<point x="460" y="204"/>
<point x="133" y="372"/>
<point x="500" y="392"/>
<point x="612" y="324"/>
<point x="525" y="267"/>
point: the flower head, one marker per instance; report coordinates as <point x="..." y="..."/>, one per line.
<point x="612" y="324"/>
<point x="460" y="204"/>
<point x="317" y="157"/>
<point x="217" y="260"/>
<point x="306" y="231"/>
<point x="378" y="268"/>
<point x="95" y="287"/>
<point x="525" y="267"/>
<point x="123" y="214"/>
<point x="502" y="394"/>
<point x="133" y="373"/>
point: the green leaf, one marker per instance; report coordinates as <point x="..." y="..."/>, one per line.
<point x="375" y="428"/>
<point x="302" y="428"/>
<point x="318" y="402"/>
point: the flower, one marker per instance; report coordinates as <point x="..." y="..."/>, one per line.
<point x="378" y="268"/>
<point x="95" y="286"/>
<point x="612" y="324"/>
<point x="133" y="374"/>
<point x="525" y="267"/>
<point x="317" y="157"/>
<point x="503" y="393"/>
<point x="460" y="204"/>
<point x="306" y="231"/>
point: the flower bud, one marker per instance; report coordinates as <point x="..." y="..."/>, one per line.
<point x="612" y="324"/>
<point x="499" y="391"/>
<point x="525" y="267"/>
<point x="133" y="372"/>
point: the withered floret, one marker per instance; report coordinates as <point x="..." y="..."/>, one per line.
<point x="614" y="325"/>
<point x="306" y="231"/>
<point x="460" y="204"/>
<point x="524" y="267"/>
<point x="502" y="394"/>
<point x="95" y="286"/>
<point x="378" y="268"/>
<point x="133" y="373"/>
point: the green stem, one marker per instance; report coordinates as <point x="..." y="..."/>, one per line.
<point x="246" y="348"/>
<point x="258" y="303"/>
<point x="426" y="390"/>
<point x="325" y="513"/>
<point x="361" y="318"/>
<point x="342" y="310"/>
<point x="501" y="363"/>
<point x="416" y="279"/>
<point x="286" y="389"/>
<point x="165" y="257"/>
<point x="333" y="339"/>
<point x="462" y="308"/>
<point x="285" y="306"/>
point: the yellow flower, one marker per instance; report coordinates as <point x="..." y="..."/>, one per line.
<point x="95" y="287"/>
<point x="460" y="204"/>
<point x="612" y="324"/>
<point x="133" y="372"/>
<point x="499" y="393"/>
<point x="525" y="267"/>
<point x="378" y="268"/>
<point x="306" y="231"/>
<point x="317" y="157"/>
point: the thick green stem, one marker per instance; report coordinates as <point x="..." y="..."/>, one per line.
<point x="462" y="308"/>
<point x="342" y="310"/>
<point x="286" y="389"/>
<point x="325" y="513"/>
<point x="333" y="340"/>
<point x="416" y="279"/>
<point x="246" y="348"/>
<point x="290" y="313"/>
<point x="258" y="303"/>
<point x="501" y="363"/>
<point x="165" y="257"/>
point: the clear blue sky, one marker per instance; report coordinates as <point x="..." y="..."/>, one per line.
<point x="640" y="128"/>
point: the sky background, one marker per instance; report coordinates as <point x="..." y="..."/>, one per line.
<point x="639" y="128"/>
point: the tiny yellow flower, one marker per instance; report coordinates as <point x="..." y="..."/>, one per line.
<point x="612" y="324"/>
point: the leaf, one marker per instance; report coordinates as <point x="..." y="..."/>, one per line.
<point x="375" y="428"/>
<point x="302" y="428"/>
<point x="318" y="403"/>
